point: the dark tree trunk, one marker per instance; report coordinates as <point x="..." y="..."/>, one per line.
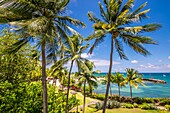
<point x="131" y="92"/>
<point x="110" y="92"/>
<point x="84" y="97"/>
<point x="119" y="91"/>
<point x="45" y="102"/>
<point x="109" y="74"/>
<point x="68" y="87"/>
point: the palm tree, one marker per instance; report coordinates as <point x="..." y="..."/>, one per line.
<point x="73" y="50"/>
<point x="133" y="79"/>
<point x="118" y="19"/>
<point x="87" y="78"/>
<point x="119" y="80"/>
<point x="41" y="20"/>
<point x="59" y="72"/>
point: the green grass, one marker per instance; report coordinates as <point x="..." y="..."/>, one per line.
<point x="135" y="110"/>
<point x="120" y="110"/>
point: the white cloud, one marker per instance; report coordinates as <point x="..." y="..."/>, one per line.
<point x="102" y="62"/>
<point x="149" y="65"/>
<point x="134" y="61"/>
<point x="85" y="55"/>
<point x="169" y="57"/>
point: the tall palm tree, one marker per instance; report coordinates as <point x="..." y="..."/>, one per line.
<point x="87" y="78"/>
<point x="133" y="79"/>
<point x="59" y="72"/>
<point x="73" y="49"/>
<point x="41" y="20"/>
<point x="119" y="80"/>
<point x="118" y="19"/>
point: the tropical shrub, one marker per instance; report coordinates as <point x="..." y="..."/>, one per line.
<point x="135" y="105"/>
<point x="27" y="98"/>
<point x="167" y="107"/>
<point x="165" y="102"/>
<point x="99" y="105"/>
<point x="112" y="104"/>
<point x="127" y="105"/>
<point x="148" y="106"/>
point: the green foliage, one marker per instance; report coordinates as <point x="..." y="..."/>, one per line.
<point x="20" y="66"/>
<point x="167" y="107"/>
<point x="165" y="102"/>
<point x="98" y="96"/>
<point x="27" y="97"/>
<point x="139" y="100"/>
<point x="135" y="105"/>
<point x="148" y="106"/>
<point x="112" y="104"/>
<point x="99" y="105"/>
<point x="127" y="105"/>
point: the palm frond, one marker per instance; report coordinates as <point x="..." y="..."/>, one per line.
<point x="119" y="49"/>
<point x="104" y="14"/>
<point x="93" y="18"/>
<point x="96" y="43"/>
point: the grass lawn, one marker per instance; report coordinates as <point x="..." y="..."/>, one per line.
<point x="135" y="110"/>
<point x="120" y="110"/>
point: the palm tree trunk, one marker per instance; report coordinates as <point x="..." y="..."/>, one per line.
<point x="45" y="102"/>
<point x="109" y="74"/>
<point x="84" y="97"/>
<point x="68" y="86"/>
<point x="119" y="91"/>
<point x="131" y="92"/>
<point x="110" y="92"/>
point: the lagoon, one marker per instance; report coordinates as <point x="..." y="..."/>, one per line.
<point x="154" y="90"/>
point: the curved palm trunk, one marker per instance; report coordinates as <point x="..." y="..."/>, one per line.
<point x="131" y="92"/>
<point x="45" y="102"/>
<point x="109" y="74"/>
<point x="119" y="91"/>
<point x="84" y="97"/>
<point x="110" y="92"/>
<point x="68" y="86"/>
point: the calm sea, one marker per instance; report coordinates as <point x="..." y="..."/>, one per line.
<point x="150" y="90"/>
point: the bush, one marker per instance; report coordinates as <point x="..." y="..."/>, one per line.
<point x="165" y="102"/>
<point x="129" y="106"/>
<point x="135" y="105"/>
<point x="167" y="107"/>
<point x="99" y="105"/>
<point x="100" y="96"/>
<point x="112" y="104"/>
<point x="27" y="98"/>
<point x="148" y="106"/>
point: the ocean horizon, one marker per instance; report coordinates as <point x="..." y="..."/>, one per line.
<point x="151" y="90"/>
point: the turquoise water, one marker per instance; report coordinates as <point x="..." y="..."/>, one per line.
<point x="150" y="90"/>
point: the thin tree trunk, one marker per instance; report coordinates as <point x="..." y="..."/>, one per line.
<point x="119" y="91"/>
<point x="109" y="74"/>
<point x="45" y="102"/>
<point x="84" y="97"/>
<point x="68" y="86"/>
<point x="110" y="92"/>
<point x="131" y="92"/>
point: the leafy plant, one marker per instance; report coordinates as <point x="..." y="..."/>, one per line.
<point x="165" y="102"/>
<point x="167" y="107"/>
<point x="127" y="105"/>
<point x="148" y="106"/>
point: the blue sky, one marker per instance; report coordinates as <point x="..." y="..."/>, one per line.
<point x="159" y="61"/>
